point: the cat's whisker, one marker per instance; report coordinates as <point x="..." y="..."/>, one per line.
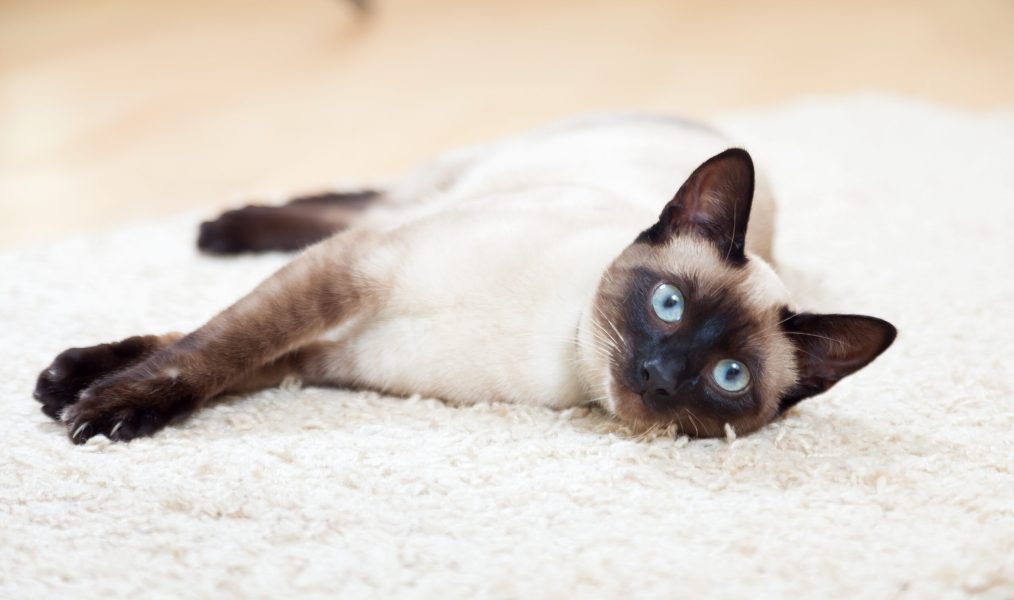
<point x="607" y="341"/>
<point x="694" y="420"/>
<point x="838" y="342"/>
<point x="600" y="313"/>
<point x="608" y="346"/>
<point x="679" y="423"/>
<point x="620" y="335"/>
<point x="645" y="433"/>
<point x="835" y="341"/>
<point x="612" y="342"/>
<point x="770" y="327"/>
<point x="600" y="328"/>
<point x="599" y="346"/>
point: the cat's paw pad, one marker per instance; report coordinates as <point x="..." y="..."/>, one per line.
<point x="129" y="405"/>
<point x="74" y="369"/>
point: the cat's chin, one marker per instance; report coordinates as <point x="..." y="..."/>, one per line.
<point x="629" y="407"/>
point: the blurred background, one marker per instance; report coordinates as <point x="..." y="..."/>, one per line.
<point x="115" y="110"/>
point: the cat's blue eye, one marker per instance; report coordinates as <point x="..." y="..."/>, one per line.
<point x="731" y="375"/>
<point x="667" y="301"/>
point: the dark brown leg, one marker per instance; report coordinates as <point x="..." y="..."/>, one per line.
<point x="77" y="369"/>
<point x="307" y="364"/>
<point x="268" y="334"/>
<point x="293" y="226"/>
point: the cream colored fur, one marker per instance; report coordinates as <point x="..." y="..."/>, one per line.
<point x="897" y="483"/>
<point x="482" y="278"/>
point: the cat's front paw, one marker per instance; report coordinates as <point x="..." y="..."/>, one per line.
<point x="130" y="404"/>
<point x="74" y="369"/>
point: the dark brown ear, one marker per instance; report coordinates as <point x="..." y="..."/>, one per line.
<point x="830" y="347"/>
<point x="713" y="204"/>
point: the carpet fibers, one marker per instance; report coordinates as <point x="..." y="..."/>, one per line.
<point x="897" y="483"/>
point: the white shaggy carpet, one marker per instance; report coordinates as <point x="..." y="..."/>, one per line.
<point x="898" y="483"/>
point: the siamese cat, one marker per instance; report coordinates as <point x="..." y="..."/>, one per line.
<point x="554" y="268"/>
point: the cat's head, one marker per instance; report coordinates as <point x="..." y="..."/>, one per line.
<point x="686" y="328"/>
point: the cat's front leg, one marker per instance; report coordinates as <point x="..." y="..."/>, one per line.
<point x="292" y="308"/>
<point x="132" y="403"/>
<point x="72" y="371"/>
<point x="96" y="369"/>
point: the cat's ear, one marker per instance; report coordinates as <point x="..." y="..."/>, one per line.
<point x="713" y="203"/>
<point x="830" y="347"/>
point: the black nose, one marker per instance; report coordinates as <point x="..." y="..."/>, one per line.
<point x="659" y="379"/>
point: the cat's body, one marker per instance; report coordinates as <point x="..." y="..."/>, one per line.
<point x="487" y="275"/>
<point x="504" y="272"/>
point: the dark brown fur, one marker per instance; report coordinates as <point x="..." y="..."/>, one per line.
<point x="300" y="223"/>
<point x="713" y="204"/>
<point x="663" y="373"/>
<point x="132" y="388"/>
<point x="715" y="326"/>
<point x="75" y="369"/>
<point x="830" y="347"/>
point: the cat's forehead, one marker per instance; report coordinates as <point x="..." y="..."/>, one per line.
<point x="754" y="284"/>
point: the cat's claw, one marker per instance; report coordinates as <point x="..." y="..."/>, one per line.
<point x="64" y="383"/>
<point x="129" y="405"/>
<point x="75" y="436"/>
<point x="60" y="384"/>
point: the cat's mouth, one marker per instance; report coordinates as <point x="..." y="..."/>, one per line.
<point x="643" y="410"/>
<point x="639" y="410"/>
<point x="628" y="405"/>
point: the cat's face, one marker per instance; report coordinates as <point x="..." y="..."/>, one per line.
<point x="688" y="330"/>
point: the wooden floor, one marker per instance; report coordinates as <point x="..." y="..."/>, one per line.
<point x="113" y="110"/>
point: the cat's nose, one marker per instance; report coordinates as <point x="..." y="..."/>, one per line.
<point x="659" y="379"/>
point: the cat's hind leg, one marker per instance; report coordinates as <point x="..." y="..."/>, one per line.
<point x="306" y="220"/>
<point x="292" y="226"/>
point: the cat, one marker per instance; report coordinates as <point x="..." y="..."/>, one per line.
<point x="553" y="268"/>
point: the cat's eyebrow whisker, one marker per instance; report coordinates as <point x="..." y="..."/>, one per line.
<point x="798" y="349"/>
<point x="840" y="343"/>
<point x="835" y="341"/>
<point x="732" y="239"/>
<point x="769" y="328"/>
